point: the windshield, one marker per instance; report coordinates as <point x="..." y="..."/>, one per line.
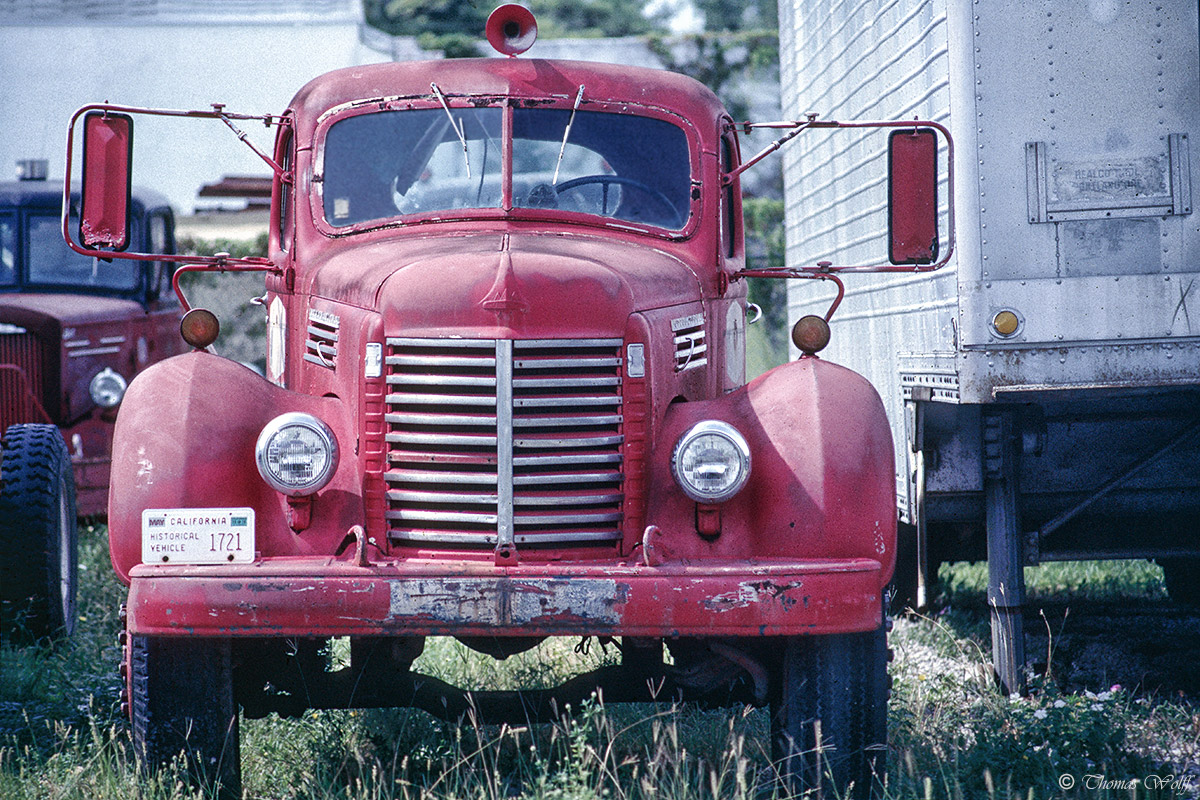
<point x="52" y="262"/>
<point x="618" y="166"/>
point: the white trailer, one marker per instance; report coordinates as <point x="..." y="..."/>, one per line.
<point x="1044" y="386"/>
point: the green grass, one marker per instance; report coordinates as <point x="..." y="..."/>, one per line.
<point x="952" y="735"/>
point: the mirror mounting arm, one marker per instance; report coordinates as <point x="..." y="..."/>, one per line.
<point x="819" y="273"/>
<point x="794" y="128"/>
<point x="219" y="112"/>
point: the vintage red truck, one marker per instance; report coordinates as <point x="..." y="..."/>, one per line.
<point x="505" y="400"/>
<point x="72" y="334"/>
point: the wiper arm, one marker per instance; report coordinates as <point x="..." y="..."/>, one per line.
<point x="563" y="147"/>
<point x="460" y="130"/>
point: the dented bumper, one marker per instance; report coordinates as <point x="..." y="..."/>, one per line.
<point x="294" y="597"/>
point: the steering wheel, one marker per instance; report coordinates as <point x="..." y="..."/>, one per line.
<point x="664" y="204"/>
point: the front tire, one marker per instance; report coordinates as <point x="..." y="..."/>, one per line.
<point x="39" y="565"/>
<point x="183" y="705"/>
<point x="829" y="715"/>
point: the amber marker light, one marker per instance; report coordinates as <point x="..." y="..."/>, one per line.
<point x="810" y="334"/>
<point x="1006" y="323"/>
<point x="199" y="328"/>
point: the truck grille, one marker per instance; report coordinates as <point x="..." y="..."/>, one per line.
<point x="21" y="376"/>
<point x="497" y="441"/>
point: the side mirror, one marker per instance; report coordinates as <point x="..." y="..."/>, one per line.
<point x="107" y="180"/>
<point x="912" y="196"/>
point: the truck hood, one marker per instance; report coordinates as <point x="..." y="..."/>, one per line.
<point x="37" y="310"/>
<point x="499" y="285"/>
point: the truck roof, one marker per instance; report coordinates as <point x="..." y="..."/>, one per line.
<point x="510" y="77"/>
<point x="48" y="194"/>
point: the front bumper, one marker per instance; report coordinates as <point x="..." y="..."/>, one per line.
<point x="326" y="597"/>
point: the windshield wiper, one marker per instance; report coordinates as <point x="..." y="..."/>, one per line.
<point x="563" y="147"/>
<point x="461" y="131"/>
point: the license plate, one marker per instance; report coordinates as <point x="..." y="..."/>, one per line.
<point x="197" y="535"/>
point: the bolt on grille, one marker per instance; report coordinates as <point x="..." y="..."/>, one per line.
<point x="496" y="442"/>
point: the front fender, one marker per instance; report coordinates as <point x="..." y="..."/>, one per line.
<point x="821" y="484"/>
<point x="185" y="438"/>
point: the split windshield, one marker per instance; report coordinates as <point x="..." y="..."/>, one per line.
<point x="392" y="163"/>
<point x="51" y="262"/>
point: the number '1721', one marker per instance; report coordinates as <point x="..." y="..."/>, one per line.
<point x="225" y="542"/>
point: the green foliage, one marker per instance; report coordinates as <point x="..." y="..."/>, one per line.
<point x="715" y="59"/>
<point x="765" y="246"/>
<point x="437" y="17"/>
<point x="238" y="248"/>
<point x="738" y="15"/>
<point x="591" y="18"/>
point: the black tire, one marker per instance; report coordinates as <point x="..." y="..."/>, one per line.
<point x="183" y="705"/>
<point x="39" y="563"/>
<point x="1182" y="577"/>
<point x="840" y="681"/>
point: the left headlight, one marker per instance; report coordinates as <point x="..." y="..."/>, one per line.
<point x="711" y="462"/>
<point x="107" y="388"/>
<point x="296" y="454"/>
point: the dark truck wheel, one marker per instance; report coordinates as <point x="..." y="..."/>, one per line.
<point x="1182" y="577"/>
<point x="183" y="706"/>
<point x="829" y="715"/>
<point x="38" y="534"/>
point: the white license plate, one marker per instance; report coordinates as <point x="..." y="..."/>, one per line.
<point x="197" y="535"/>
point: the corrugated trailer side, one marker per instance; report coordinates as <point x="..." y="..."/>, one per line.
<point x="1043" y="387"/>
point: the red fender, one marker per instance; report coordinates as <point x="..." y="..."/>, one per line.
<point x="185" y="438"/>
<point x="821" y="483"/>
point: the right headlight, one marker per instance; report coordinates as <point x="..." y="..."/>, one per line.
<point x="711" y="462"/>
<point x="296" y="453"/>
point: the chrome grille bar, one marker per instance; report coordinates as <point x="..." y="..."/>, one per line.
<point x="501" y="442"/>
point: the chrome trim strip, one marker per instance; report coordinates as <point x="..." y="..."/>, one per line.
<point x="440" y="497"/>
<point x="566" y="519"/>
<point x="553" y="480"/>
<point x="504" y="450"/>
<point x="574" y="458"/>
<point x="567" y="422"/>
<point x="406" y="398"/>
<point x="409" y="342"/>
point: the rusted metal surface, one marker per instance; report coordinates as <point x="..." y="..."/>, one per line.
<point x="291" y="597"/>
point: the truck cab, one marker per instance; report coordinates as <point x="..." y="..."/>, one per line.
<point x="73" y="332"/>
<point x="505" y="399"/>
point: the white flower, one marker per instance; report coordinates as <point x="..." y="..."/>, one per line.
<point x="1041" y="713"/>
<point x="1104" y="696"/>
<point x="1060" y="703"/>
<point x="1097" y="707"/>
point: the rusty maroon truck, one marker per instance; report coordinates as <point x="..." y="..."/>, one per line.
<point x="72" y="334"/>
<point x="505" y="400"/>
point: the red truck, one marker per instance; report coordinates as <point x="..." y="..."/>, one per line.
<point x="72" y="334"/>
<point x="505" y="400"/>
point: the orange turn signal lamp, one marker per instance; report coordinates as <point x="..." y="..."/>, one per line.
<point x="199" y="328"/>
<point x="810" y="334"/>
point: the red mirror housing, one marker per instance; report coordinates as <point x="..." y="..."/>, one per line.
<point x="107" y="180"/>
<point x="912" y="196"/>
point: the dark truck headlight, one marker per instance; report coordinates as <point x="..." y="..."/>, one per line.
<point x="711" y="462"/>
<point x="107" y="388"/>
<point x="296" y="453"/>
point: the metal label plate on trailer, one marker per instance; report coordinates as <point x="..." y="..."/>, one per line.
<point x="197" y="535"/>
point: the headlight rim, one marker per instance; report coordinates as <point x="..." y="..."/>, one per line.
<point x="730" y="433"/>
<point x="276" y="426"/>
<point x="108" y="373"/>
